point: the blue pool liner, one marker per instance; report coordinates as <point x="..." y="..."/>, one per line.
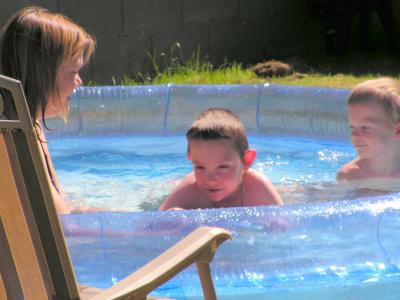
<point x="169" y="109"/>
<point x="327" y="246"/>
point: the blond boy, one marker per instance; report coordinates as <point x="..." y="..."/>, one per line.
<point x="373" y="112"/>
<point x="221" y="158"/>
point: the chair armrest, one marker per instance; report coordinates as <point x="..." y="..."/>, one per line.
<point x="199" y="246"/>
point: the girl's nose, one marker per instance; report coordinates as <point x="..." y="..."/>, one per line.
<point x="78" y="80"/>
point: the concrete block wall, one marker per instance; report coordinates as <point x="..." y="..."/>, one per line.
<point x="130" y="32"/>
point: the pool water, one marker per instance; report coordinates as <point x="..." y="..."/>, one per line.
<point x="123" y="171"/>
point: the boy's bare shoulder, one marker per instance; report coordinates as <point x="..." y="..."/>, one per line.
<point x="260" y="190"/>
<point x="255" y="177"/>
<point x="186" y="195"/>
<point x="351" y="171"/>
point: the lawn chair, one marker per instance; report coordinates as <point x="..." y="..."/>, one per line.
<point x="34" y="259"/>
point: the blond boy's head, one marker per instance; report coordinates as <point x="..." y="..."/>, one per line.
<point x="384" y="92"/>
<point x="219" y="123"/>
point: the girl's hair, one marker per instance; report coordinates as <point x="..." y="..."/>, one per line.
<point x="384" y="92"/>
<point x="219" y="123"/>
<point x="33" y="45"/>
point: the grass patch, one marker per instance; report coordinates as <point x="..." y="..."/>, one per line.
<point x="237" y="75"/>
<point x="323" y="80"/>
<point x="322" y="72"/>
<point x="207" y="75"/>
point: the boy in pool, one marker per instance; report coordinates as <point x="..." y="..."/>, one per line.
<point x="221" y="158"/>
<point x="374" y="117"/>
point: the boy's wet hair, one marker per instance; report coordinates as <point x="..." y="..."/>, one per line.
<point x="219" y="123"/>
<point x="384" y="92"/>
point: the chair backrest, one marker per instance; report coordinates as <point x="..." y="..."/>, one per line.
<point x="34" y="260"/>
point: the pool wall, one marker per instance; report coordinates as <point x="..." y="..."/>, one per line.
<point x="334" y="250"/>
<point x="266" y="109"/>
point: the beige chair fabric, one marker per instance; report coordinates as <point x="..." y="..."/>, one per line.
<point x="34" y="259"/>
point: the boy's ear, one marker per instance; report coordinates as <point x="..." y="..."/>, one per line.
<point x="249" y="157"/>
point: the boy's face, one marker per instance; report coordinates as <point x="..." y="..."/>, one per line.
<point x="372" y="132"/>
<point x="217" y="167"/>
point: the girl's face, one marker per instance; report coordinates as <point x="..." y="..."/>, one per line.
<point x="217" y="167"/>
<point x="372" y="134"/>
<point x="67" y="81"/>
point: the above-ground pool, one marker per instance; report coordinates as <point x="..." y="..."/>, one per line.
<point x="124" y="148"/>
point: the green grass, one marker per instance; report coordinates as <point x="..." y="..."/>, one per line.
<point x="324" y="80"/>
<point x="325" y="72"/>
<point x="233" y="74"/>
<point x="237" y="75"/>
